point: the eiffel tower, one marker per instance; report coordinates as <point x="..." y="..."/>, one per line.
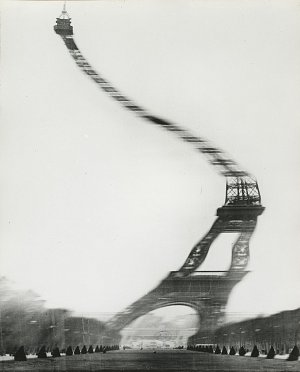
<point x="206" y="292"/>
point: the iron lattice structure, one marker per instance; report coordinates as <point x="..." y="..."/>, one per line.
<point x="207" y="293"/>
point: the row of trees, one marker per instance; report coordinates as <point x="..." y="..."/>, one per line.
<point x="24" y="320"/>
<point x="294" y="354"/>
<point x="20" y="354"/>
<point x="281" y="330"/>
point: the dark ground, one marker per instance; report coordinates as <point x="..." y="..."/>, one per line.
<point x="146" y="360"/>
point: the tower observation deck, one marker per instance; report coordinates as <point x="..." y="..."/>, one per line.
<point x="63" y="23"/>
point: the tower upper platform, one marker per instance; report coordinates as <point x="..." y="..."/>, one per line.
<point x="63" y="23"/>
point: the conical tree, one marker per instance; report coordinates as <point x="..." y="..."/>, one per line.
<point x="242" y="351"/>
<point x="104" y="349"/>
<point x="232" y="351"/>
<point x="101" y="348"/>
<point x="294" y="354"/>
<point x="42" y="353"/>
<point x="90" y="350"/>
<point x="224" y="351"/>
<point x="20" y="355"/>
<point x="97" y="350"/>
<point x="271" y="353"/>
<point x="255" y="352"/>
<point x="84" y="350"/>
<point x="218" y="350"/>
<point x="55" y="352"/>
<point x="69" y="351"/>
<point x="77" y="350"/>
<point x="211" y="350"/>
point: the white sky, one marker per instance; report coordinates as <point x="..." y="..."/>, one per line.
<point x="97" y="205"/>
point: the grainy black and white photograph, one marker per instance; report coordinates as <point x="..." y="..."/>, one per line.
<point x="149" y="192"/>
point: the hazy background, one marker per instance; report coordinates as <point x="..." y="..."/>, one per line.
<point x="96" y="205"/>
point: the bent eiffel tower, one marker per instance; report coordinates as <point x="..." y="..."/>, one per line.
<point x="206" y="292"/>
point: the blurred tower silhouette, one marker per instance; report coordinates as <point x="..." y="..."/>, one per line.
<point x="206" y="292"/>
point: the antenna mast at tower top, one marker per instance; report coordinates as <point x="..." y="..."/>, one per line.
<point x="64" y="13"/>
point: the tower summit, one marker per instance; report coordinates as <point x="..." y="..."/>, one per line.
<point x="63" y="23"/>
